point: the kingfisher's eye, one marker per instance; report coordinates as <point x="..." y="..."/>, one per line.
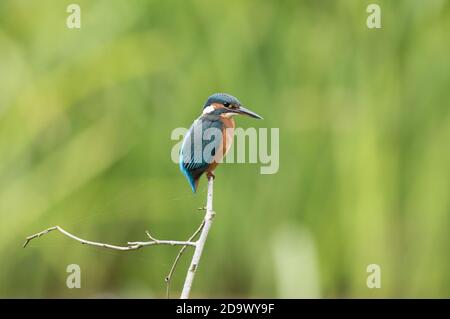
<point x="226" y="104"/>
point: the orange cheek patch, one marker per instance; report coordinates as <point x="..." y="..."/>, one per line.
<point x="210" y="108"/>
<point x="217" y="106"/>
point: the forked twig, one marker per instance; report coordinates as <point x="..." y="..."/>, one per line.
<point x="130" y="245"/>
<point x="168" y="278"/>
<point x="203" y="230"/>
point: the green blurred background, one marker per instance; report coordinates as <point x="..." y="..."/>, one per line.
<point x="85" y="123"/>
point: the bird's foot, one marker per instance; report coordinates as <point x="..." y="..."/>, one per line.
<point x="210" y="174"/>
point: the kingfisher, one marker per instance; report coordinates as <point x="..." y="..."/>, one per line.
<point x="210" y="137"/>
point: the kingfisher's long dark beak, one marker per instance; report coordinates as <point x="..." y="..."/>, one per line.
<point x="242" y="110"/>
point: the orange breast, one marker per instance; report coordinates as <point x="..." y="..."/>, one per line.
<point x="227" y="134"/>
<point x="227" y="141"/>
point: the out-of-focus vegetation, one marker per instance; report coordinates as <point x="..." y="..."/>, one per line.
<point x="85" y="123"/>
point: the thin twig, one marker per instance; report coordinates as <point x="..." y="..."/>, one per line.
<point x="131" y="245"/>
<point x="180" y="253"/>
<point x="200" y="242"/>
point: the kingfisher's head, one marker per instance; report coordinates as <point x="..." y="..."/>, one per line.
<point x="226" y="105"/>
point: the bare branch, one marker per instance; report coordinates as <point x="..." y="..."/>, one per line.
<point x="131" y="245"/>
<point x="161" y="242"/>
<point x="203" y="230"/>
<point x="200" y="242"/>
<point x="168" y="278"/>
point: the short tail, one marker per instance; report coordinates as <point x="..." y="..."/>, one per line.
<point x="194" y="184"/>
<point x="192" y="178"/>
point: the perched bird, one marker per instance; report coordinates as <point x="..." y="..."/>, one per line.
<point x="210" y="137"/>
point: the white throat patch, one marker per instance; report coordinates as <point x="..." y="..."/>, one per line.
<point x="208" y="110"/>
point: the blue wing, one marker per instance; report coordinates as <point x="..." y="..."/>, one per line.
<point x="194" y="160"/>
